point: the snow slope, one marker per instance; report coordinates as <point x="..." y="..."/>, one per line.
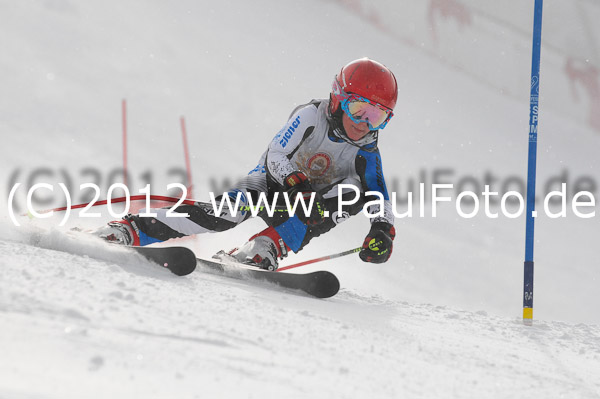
<point x="441" y="319"/>
<point x="78" y="327"/>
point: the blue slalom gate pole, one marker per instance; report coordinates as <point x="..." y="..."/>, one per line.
<point x="531" y="163"/>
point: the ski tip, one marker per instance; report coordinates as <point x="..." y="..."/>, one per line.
<point x="184" y="263"/>
<point x="324" y="284"/>
<point x="180" y="261"/>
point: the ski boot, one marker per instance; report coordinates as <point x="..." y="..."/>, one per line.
<point x="121" y="232"/>
<point x="262" y="250"/>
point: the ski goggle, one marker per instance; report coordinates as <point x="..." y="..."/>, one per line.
<point x="361" y="109"/>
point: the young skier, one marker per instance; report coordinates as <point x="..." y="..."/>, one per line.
<point x="324" y="143"/>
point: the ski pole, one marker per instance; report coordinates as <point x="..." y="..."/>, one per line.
<point x="351" y="251"/>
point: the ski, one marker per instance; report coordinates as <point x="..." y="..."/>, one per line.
<point x="320" y="284"/>
<point x="180" y="261"/>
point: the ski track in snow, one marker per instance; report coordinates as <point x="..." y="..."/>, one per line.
<point x="82" y="327"/>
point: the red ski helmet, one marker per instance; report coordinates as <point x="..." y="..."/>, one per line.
<point x="368" y="79"/>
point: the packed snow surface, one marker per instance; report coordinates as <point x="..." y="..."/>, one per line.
<point x="74" y="326"/>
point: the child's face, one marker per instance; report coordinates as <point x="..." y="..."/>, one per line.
<point x="355" y="131"/>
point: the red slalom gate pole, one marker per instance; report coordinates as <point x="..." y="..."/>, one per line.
<point x="124" y="124"/>
<point x="308" y="262"/>
<point x="122" y="199"/>
<point x="187" y="159"/>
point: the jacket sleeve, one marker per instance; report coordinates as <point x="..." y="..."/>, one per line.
<point x="370" y="170"/>
<point x="288" y="140"/>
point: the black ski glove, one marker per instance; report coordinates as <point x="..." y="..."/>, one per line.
<point x="377" y="247"/>
<point x="297" y="182"/>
